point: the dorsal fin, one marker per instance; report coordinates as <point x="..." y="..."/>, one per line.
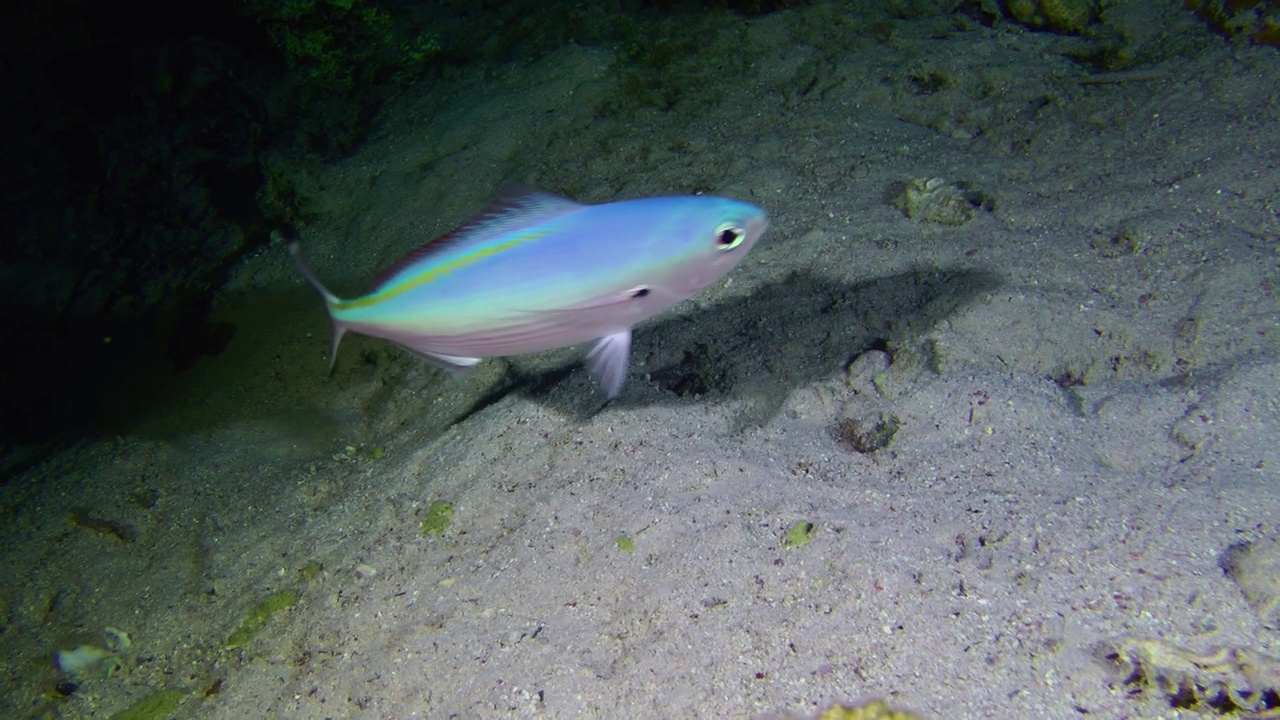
<point x="515" y="207"/>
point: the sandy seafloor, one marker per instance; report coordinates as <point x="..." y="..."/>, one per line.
<point x="1084" y="376"/>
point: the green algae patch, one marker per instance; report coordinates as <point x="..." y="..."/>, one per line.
<point x="625" y="543"/>
<point x="310" y="571"/>
<point x="258" y="615"/>
<point x="152" y="707"/>
<point x="436" y="521"/>
<point x="797" y="535"/>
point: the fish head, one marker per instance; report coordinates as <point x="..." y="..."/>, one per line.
<point x="712" y="240"/>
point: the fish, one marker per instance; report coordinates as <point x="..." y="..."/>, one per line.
<point x="536" y="271"/>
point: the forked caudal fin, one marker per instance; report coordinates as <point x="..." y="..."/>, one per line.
<point x="295" y="251"/>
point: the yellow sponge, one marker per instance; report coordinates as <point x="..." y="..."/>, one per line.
<point x="874" y="710"/>
<point x="1065" y="16"/>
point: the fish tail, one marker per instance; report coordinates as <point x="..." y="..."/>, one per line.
<point x="339" y="327"/>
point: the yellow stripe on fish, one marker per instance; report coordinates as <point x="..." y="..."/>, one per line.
<point x="437" y="272"/>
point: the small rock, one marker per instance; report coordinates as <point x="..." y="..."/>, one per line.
<point x="1255" y="568"/>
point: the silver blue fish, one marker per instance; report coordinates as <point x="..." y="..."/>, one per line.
<point x="537" y="271"/>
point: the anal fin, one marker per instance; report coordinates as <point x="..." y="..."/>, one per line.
<point x="456" y="365"/>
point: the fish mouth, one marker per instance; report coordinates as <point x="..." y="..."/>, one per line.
<point x="755" y="228"/>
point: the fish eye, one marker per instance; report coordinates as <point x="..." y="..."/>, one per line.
<point x="729" y="237"/>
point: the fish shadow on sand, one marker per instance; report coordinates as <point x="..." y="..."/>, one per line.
<point x="751" y="350"/>
<point x="761" y="347"/>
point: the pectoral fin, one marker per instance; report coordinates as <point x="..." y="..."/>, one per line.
<point x="608" y="359"/>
